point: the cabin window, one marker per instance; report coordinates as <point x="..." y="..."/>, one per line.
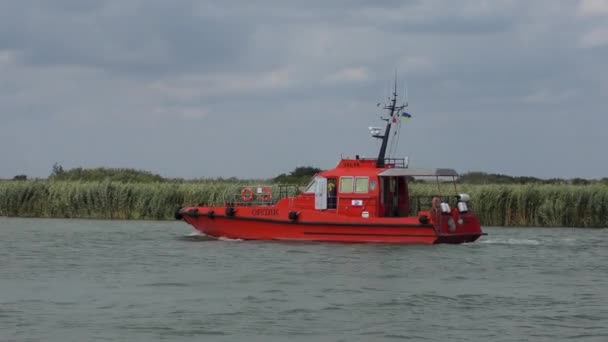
<point x="362" y="184"/>
<point x="346" y="184"/>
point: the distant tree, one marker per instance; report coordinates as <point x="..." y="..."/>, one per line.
<point x="305" y="171"/>
<point x="555" y="181"/>
<point x="580" y="181"/>
<point x="101" y="174"/>
<point x="486" y="178"/>
<point x="477" y="177"/>
<point x="20" y="177"/>
<point x="57" y="170"/>
<point x="299" y="175"/>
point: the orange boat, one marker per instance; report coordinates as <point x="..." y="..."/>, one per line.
<point x="360" y="200"/>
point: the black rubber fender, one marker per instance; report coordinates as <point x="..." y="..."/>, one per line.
<point x="293" y="215"/>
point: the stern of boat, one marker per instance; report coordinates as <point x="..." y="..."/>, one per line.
<point x="457" y="224"/>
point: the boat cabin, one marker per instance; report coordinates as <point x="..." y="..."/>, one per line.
<point x="358" y="188"/>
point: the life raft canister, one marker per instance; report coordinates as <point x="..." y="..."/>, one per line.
<point x="247" y="194"/>
<point x="264" y="193"/>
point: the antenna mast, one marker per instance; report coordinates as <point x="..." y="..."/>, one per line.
<point x="394" y="110"/>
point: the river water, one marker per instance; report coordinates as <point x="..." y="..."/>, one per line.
<point x="81" y="280"/>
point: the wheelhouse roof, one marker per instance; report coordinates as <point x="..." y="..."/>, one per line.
<point x="419" y="172"/>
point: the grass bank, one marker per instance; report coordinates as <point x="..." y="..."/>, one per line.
<point x="496" y="205"/>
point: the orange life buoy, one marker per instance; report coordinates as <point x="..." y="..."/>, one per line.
<point x="266" y="194"/>
<point x="247" y="194"/>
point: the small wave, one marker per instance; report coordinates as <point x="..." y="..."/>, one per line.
<point x="194" y="332"/>
<point x="169" y="284"/>
<point x="63" y="303"/>
<point x="511" y="241"/>
<point x="297" y="251"/>
<point x="397" y="336"/>
<point x="296" y="311"/>
<point x="342" y="291"/>
<point x="333" y="308"/>
<point x="272" y="291"/>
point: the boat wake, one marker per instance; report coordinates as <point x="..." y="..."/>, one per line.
<point x="196" y="236"/>
<point x="511" y="241"/>
<point x="221" y="238"/>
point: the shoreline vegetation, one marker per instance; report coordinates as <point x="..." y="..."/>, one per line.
<point x="140" y="195"/>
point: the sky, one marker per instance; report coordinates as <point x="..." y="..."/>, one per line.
<point x="193" y="89"/>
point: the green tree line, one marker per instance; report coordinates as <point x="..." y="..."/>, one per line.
<point x="300" y="175"/>
<point x="495" y="178"/>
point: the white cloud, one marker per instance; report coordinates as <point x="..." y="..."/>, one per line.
<point x="7" y="57"/>
<point x="194" y="113"/>
<point x="549" y="96"/>
<point x="221" y="84"/>
<point x="595" y="38"/>
<point x="593" y="8"/>
<point x="413" y="64"/>
<point x="355" y="74"/>
<point x="184" y="112"/>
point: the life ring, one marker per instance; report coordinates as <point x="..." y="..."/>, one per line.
<point x="247" y="194"/>
<point x="266" y="194"/>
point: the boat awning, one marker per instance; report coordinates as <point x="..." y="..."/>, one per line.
<point x="419" y="172"/>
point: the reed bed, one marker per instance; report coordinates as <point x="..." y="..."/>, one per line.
<point x="535" y="205"/>
<point x="103" y="200"/>
<point x="496" y="205"/>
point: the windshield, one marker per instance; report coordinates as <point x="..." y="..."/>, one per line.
<point x="312" y="185"/>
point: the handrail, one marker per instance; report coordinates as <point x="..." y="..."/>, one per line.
<point x="424" y="202"/>
<point x="401" y="163"/>
<point x="261" y="194"/>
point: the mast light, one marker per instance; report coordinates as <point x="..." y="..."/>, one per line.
<point x="376" y="132"/>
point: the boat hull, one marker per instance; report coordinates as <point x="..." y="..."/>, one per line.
<point x="252" y="228"/>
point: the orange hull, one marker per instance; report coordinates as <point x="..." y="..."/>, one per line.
<point x="246" y="224"/>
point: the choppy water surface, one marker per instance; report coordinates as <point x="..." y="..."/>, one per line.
<point x="78" y="280"/>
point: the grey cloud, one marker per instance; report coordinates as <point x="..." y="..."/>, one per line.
<point x="273" y="85"/>
<point x="153" y="37"/>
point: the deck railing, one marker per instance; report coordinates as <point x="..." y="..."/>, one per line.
<point x="263" y="194"/>
<point x="391" y="162"/>
<point x="418" y="203"/>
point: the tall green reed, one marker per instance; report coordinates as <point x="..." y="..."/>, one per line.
<point x="496" y="205"/>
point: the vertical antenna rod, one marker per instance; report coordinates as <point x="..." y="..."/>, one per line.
<point x="393" y="110"/>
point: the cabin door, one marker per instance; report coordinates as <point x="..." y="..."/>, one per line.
<point x="387" y="196"/>
<point x="321" y="193"/>
<point x="332" y="193"/>
<point x="392" y="195"/>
